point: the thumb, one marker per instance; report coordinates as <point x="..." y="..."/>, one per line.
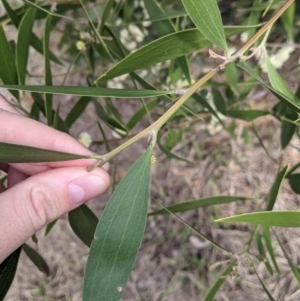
<point x="40" y="199"/>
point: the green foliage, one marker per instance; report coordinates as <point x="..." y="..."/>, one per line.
<point x="121" y="50"/>
<point x="119" y="234"/>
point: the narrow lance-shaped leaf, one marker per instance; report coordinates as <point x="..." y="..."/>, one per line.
<point x="106" y="12"/>
<point x="141" y="113"/>
<point x="166" y="48"/>
<point x="275" y="188"/>
<point x="207" y="18"/>
<point x="166" y="27"/>
<point x="287" y="128"/>
<point x="290" y="102"/>
<point x="246" y="114"/>
<point x="37" y="259"/>
<point x="169" y="154"/>
<point x="77" y="110"/>
<point x="88" y="91"/>
<point x="48" y="75"/>
<point x="8" y="72"/>
<point x="197" y="232"/>
<point x="219" y="101"/>
<point x="15" y="153"/>
<point x="264" y="287"/>
<point x="49" y="227"/>
<point x="11" y="13"/>
<point x="287" y="19"/>
<point x="275" y="79"/>
<point x="83" y="222"/>
<point x="267" y="218"/>
<point x="113" y="123"/>
<point x="195" y="204"/>
<point x="50" y="13"/>
<point x="290" y="262"/>
<point x="165" y="16"/>
<point x="23" y="42"/>
<point x="39" y="106"/>
<point x="35" y="42"/>
<point x="216" y="286"/>
<point x="262" y="253"/>
<point x="294" y="181"/>
<point x="118" y="235"/>
<point x="267" y="237"/>
<point x="7" y="272"/>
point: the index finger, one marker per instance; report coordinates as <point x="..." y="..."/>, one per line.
<point x="17" y="129"/>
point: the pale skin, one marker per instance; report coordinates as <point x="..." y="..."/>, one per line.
<point x="38" y="193"/>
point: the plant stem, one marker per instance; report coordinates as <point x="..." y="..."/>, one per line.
<point x="154" y="127"/>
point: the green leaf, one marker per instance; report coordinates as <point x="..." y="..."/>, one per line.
<point x="267" y="237"/>
<point x="174" y="136"/>
<point x="118" y="235"/>
<point x="164" y="28"/>
<point x="287" y="19"/>
<point x="287" y="128"/>
<point x="50" y="13"/>
<point x="170" y="154"/>
<point x="35" y="42"/>
<point x="48" y="75"/>
<point x="207" y="18"/>
<point x="219" y="101"/>
<point x="166" y="48"/>
<point x="165" y="16"/>
<point x="290" y="262"/>
<point x="49" y="227"/>
<point x="216" y="286"/>
<point x="266" y="218"/>
<point x="264" y="287"/>
<point x="115" y="124"/>
<point x="232" y="77"/>
<point x="253" y="18"/>
<point x="246" y="114"/>
<point x="37" y="259"/>
<point x="8" y="72"/>
<point x="88" y="91"/>
<point x="203" y="102"/>
<point x="195" y="204"/>
<point x="262" y="253"/>
<point x="290" y="102"/>
<point x="275" y="188"/>
<point x="11" y="13"/>
<point x="294" y="181"/>
<point x="83" y="222"/>
<point x="106" y="13"/>
<point x="141" y="113"/>
<point x="276" y="81"/>
<point x="15" y="153"/>
<point x="39" y="105"/>
<point x="7" y="272"/>
<point x="197" y="232"/>
<point x="77" y="110"/>
<point x="23" y="42"/>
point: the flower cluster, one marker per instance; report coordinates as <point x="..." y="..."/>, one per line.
<point x="85" y="139"/>
<point x="277" y="59"/>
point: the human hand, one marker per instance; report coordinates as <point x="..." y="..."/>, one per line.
<point x="39" y="193"/>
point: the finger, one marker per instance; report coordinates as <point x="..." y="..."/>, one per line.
<point x="32" y="204"/>
<point x="14" y="177"/>
<point x="18" y="129"/>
